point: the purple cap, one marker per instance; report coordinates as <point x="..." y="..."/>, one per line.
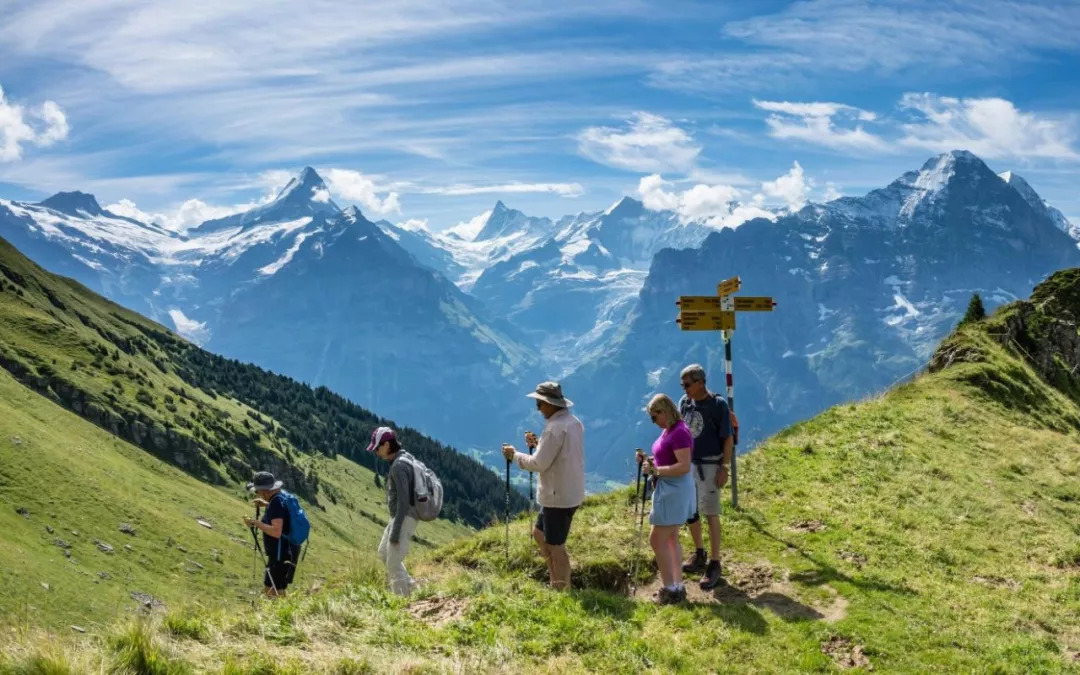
<point x="380" y="436"/>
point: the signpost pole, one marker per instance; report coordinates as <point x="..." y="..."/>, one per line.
<point x="726" y="336"/>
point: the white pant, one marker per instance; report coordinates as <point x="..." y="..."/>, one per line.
<point x="393" y="556"/>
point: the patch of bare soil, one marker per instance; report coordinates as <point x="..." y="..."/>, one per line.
<point x="997" y="582"/>
<point x="437" y="611"/>
<point x="810" y="526"/>
<point x="856" y="559"/>
<point x="845" y="653"/>
<point x="757" y="585"/>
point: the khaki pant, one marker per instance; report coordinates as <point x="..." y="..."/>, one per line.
<point x="393" y="556"/>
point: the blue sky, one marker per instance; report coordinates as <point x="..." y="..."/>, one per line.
<point x="432" y="111"/>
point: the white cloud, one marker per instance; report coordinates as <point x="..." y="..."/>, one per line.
<point x="468" y="229"/>
<point x="816" y="123"/>
<point x="723" y="205"/>
<point x="792" y="188"/>
<point x="353" y="186"/>
<point x="187" y="215"/>
<point x="561" y="189"/>
<point x="322" y="196"/>
<point x="196" y="331"/>
<point x="832" y="192"/>
<point x="650" y="144"/>
<point x="992" y="128"/>
<point x="714" y="205"/>
<point x="17" y="128"/>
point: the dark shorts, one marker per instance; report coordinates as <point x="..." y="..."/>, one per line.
<point x="555" y="524"/>
<point x="281" y="572"/>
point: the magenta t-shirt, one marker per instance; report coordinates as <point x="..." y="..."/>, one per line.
<point x="675" y="438"/>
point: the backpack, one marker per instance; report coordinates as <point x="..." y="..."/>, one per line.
<point x="299" y="525"/>
<point x="427" y="494"/>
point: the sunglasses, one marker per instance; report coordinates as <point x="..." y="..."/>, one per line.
<point x="686" y="384"/>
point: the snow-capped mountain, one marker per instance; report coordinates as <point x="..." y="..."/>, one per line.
<point x="301" y="287"/>
<point x="866" y="287"/>
<point x="1039" y="205"/>
<point x="567" y="283"/>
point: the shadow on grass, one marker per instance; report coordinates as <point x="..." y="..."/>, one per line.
<point x="742" y="615"/>
<point x="824" y="572"/>
<point x="787" y="608"/>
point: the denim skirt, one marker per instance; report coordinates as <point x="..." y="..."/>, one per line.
<point x="674" y="500"/>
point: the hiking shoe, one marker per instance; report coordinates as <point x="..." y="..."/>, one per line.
<point x="696" y="563"/>
<point x="712" y="577"/>
<point x="666" y="597"/>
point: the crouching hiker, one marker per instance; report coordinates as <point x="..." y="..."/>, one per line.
<point x="560" y="462"/>
<point x="413" y="493"/>
<point x="285" y="528"/>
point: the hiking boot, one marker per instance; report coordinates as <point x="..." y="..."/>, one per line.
<point x="666" y="597"/>
<point x="712" y="577"/>
<point x="696" y="563"/>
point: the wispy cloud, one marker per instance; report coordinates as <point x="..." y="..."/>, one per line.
<point x="561" y="189"/>
<point x="41" y="126"/>
<point x="817" y="123"/>
<point x="992" y="128"/>
<point x="649" y="143"/>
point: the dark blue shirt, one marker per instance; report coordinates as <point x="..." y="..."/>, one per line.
<point x="710" y="423"/>
<point x="277" y="509"/>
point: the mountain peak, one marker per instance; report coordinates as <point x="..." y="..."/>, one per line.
<point x="627" y="207"/>
<point x="308" y="184"/>
<point x="72" y="203"/>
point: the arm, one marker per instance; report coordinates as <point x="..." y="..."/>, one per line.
<point x="273" y="529"/>
<point x="681" y="465"/>
<point x="551" y="443"/>
<point x="399" y="473"/>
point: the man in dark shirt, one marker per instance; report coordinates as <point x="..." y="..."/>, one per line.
<point x="281" y="556"/>
<point x="709" y="419"/>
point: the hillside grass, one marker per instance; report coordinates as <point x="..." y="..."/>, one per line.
<point x="935" y="528"/>
<point x="83" y="483"/>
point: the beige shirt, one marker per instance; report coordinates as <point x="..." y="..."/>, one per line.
<point x="560" y="461"/>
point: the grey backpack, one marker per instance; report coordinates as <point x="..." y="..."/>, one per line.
<point x="427" y="494"/>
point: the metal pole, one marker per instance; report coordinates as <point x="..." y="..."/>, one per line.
<point x="637" y="486"/>
<point x="727" y="335"/>
<point x="532" y="493"/>
<point x="507" y="511"/>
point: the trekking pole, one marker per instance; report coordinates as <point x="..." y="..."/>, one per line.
<point x="637" y="486"/>
<point x="532" y="493"/>
<point x="507" y="547"/>
<point x="641" y="534"/>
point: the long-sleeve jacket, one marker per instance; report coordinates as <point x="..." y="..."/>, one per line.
<point x="399" y="493"/>
<point x="559" y="460"/>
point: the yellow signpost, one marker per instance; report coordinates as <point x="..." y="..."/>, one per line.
<point x="752" y="304"/>
<point x="706" y="313"/>
<point x="729" y="286"/>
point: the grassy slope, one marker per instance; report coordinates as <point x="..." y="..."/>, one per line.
<point x="73" y="475"/>
<point x="934" y="528"/>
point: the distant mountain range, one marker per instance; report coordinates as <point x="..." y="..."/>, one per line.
<point x="446" y="330"/>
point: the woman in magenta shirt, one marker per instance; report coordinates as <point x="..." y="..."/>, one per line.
<point x="674" y="498"/>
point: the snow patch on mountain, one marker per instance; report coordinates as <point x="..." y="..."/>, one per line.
<point x="196" y="331"/>
<point x="273" y="267"/>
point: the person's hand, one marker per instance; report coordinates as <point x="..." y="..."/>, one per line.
<point x="650" y="467"/>
<point x="639" y="456"/>
<point x="508" y="451"/>
<point x="721" y="476"/>
<point x="249" y="522"/>
<point x="259" y="501"/>
<point x="531" y="440"/>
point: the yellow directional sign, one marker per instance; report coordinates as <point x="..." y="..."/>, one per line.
<point x="699" y="303"/>
<point x="706" y="320"/>
<point x="729" y="286"/>
<point x="754" y="304"/>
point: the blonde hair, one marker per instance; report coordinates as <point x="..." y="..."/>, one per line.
<point x="663" y="403"/>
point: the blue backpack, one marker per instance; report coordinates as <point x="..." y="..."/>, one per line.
<point x="299" y="526"/>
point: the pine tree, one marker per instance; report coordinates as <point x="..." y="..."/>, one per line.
<point x="975" y="310"/>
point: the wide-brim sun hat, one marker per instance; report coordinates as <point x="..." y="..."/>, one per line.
<point x="550" y="392"/>
<point x="264" y="480"/>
